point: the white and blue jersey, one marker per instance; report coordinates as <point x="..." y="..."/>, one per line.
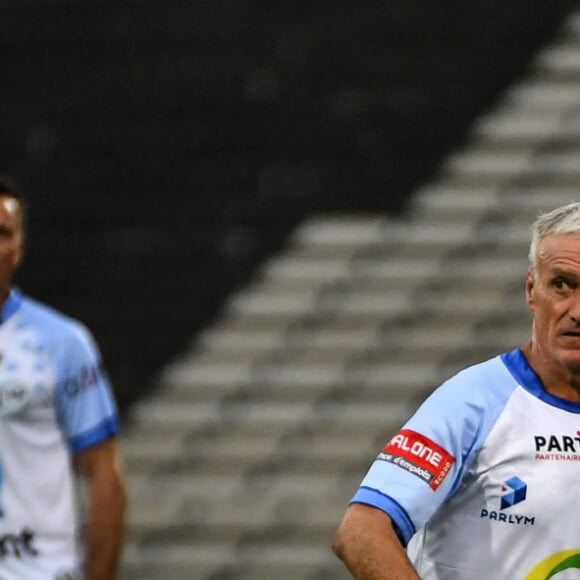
<point x="55" y="400"/>
<point x="483" y="482"/>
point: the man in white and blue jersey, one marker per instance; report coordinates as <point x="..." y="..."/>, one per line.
<point x="482" y="483"/>
<point x="57" y="416"/>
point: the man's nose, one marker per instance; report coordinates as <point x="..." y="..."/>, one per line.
<point x="574" y="308"/>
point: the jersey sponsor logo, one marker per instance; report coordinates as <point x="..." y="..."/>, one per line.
<point x="420" y="456"/>
<point x="557" y="447"/>
<point x="18" y="545"/>
<point x="14" y="398"/>
<point x="86" y="378"/>
<point x="514" y="519"/>
<point x="513" y="492"/>
<point x="554" y="564"/>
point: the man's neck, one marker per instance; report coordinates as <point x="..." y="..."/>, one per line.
<point x="4" y="294"/>
<point x="558" y="380"/>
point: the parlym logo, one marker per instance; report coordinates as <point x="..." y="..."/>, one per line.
<point x="514" y="491"/>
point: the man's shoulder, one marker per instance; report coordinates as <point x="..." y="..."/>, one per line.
<point x="485" y="381"/>
<point x="486" y="369"/>
<point x="46" y="317"/>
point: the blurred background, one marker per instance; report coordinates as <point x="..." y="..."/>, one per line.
<point x="285" y="223"/>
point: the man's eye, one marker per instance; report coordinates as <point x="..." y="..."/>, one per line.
<point x="560" y="284"/>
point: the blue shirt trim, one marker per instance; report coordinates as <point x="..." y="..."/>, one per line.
<point x="104" y="430"/>
<point x="11" y="305"/>
<point x="518" y="366"/>
<point x="369" y="496"/>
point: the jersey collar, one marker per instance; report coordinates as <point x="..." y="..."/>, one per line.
<point x="518" y="365"/>
<point x="11" y="305"/>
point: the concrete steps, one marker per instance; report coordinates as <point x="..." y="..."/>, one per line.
<point x="244" y="464"/>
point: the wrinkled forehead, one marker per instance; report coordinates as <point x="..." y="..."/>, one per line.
<point x="560" y="247"/>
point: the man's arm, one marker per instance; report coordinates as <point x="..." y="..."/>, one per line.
<point x="369" y="547"/>
<point x="100" y="467"/>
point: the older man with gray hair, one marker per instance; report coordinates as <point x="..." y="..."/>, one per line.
<point x="482" y="482"/>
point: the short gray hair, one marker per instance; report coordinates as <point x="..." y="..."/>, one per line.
<point x="563" y="220"/>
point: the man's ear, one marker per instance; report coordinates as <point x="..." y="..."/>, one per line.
<point x="530" y="287"/>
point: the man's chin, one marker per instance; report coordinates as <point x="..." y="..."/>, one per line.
<point x="571" y="360"/>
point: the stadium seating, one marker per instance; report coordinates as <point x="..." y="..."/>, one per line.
<point x="242" y="462"/>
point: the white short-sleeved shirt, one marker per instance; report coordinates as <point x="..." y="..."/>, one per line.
<point x="55" y="400"/>
<point x="483" y="481"/>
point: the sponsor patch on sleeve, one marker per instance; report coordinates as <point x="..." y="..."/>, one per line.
<point x="418" y="455"/>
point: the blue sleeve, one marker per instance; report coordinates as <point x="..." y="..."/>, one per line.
<point x="85" y="404"/>
<point x="423" y="464"/>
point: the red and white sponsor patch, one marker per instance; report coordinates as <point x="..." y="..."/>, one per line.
<point x="420" y="456"/>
